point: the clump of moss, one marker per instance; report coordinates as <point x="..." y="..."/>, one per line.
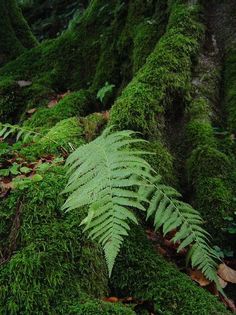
<point x="53" y="262"/>
<point x="157" y="278"/>
<point x="74" y="104"/>
<point x="63" y="136"/>
<point x="15" y="100"/>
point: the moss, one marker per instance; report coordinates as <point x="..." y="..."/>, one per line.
<point x="15" y="34"/>
<point x="74" y="104"/>
<point x="86" y="55"/>
<point x="164" y="78"/>
<point x="230" y="88"/>
<point x="157" y="278"/>
<point x="15" y="100"/>
<point x="64" y="135"/>
<point x="100" y="308"/>
<point x="214" y="200"/>
<point x="53" y="261"/>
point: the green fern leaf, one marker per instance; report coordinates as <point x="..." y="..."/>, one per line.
<point x="105" y="176"/>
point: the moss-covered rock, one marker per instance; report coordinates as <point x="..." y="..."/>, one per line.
<point x="159" y="282"/>
<point x="53" y="265"/>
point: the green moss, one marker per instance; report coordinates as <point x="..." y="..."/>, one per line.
<point x="164" y="78"/>
<point x="15" y="100"/>
<point x="200" y="133"/>
<point x="230" y="88"/>
<point x="213" y="195"/>
<point x="15" y="34"/>
<point x="74" y="104"/>
<point x="53" y="263"/>
<point x="158" y="281"/>
<point x="206" y="161"/>
<point x="61" y="137"/>
<point x="100" y="308"/>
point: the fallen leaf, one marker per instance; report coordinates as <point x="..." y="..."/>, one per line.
<point x="222" y="282"/>
<point x="52" y="103"/>
<point x="226" y="273"/>
<point x="23" y="83"/>
<point x="199" y="277"/>
<point x="111" y="299"/>
<point x="31" y="111"/>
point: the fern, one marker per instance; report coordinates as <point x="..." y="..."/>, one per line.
<point x="170" y="213"/>
<point x="7" y="130"/>
<point x="112" y="180"/>
<point x="102" y="177"/>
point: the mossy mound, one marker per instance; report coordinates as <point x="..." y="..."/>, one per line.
<point x="74" y="104"/>
<point x="158" y="281"/>
<point x="51" y="260"/>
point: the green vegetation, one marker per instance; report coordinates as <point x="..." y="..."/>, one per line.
<point x="152" y="67"/>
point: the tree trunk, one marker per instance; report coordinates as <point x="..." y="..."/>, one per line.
<point x="15" y="34"/>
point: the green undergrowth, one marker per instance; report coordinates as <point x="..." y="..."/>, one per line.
<point x="91" y="52"/>
<point x="159" y="282"/>
<point x="53" y="263"/>
<point x="64" y="136"/>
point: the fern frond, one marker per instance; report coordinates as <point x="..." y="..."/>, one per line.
<point x="170" y="213"/>
<point x="21" y="132"/>
<point x="111" y="179"/>
<point x="105" y="175"/>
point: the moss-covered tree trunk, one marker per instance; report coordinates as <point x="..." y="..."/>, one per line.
<point x="15" y="34"/>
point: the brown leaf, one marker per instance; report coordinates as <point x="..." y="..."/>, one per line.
<point x="31" y="111"/>
<point x="222" y="282"/>
<point x="199" y="277"/>
<point x="111" y="299"/>
<point x="226" y="273"/>
<point x="52" y="103"/>
<point x="23" y="83"/>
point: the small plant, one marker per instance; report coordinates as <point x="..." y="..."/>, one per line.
<point x="104" y="91"/>
<point x="113" y="180"/>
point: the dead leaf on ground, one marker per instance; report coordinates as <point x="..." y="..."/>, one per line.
<point x="199" y="277"/>
<point x="24" y="83"/>
<point x="52" y="103"/>
<point x="226" y="273"/>
<point x="111" y="299"/>
<point x="222" y="282"/>
<point x="31" y="111"/>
